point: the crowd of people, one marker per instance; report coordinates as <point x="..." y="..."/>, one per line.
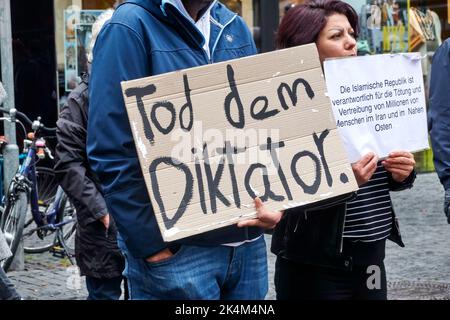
<point x="118" y="238"/>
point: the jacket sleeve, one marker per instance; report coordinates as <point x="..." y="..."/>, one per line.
<point x="120" y="55"/>
<point x="399" y="186"/>
<point x="71" y="165"/>
<point x="439" y="112"/>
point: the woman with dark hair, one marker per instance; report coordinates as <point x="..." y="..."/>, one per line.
<point x="305" y="22"/>
<point x="335" y="249"/>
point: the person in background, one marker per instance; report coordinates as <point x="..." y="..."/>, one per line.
<point x="439" y="118"/>
<point x="329" y="250"/>
<point x="96" y="250"/>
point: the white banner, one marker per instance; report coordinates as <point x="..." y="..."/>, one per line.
<point x="378" y="103"/>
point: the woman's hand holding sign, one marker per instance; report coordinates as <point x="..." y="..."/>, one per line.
<point x="400" y="164"/>
<point x="365" y="167"/>
<point x="264" y="218"/>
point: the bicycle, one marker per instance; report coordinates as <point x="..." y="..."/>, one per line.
<point x="51" y="222"/>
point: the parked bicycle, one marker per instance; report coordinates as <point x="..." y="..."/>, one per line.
<point x="49" y="221"/>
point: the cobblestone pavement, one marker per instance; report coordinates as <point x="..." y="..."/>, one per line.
<point x="419" y="271"/>
<point x="48" y="278"/>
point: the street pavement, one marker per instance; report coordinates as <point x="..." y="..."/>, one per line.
<point x="420" y="271"/>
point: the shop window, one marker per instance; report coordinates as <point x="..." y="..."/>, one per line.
<point x="234" y="5"/>
<point x="383" y="25"/>
<point x="100" y="4"/>
<point x="428" y="27"/>
<point x="34" y="60"/>
<point x="74" y="19"/>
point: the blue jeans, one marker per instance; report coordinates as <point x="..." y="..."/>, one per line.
<point x="200" y="272"/>
<point x="103" y="288"/>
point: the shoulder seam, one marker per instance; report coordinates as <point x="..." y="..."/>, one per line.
<point x="129" y="28"/>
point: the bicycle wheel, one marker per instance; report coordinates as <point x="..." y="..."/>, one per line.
<point x="41" y="240"/>
<point x="67" y="212"/>
<point x="13" y="220"/>
<point x="47" y="185"/>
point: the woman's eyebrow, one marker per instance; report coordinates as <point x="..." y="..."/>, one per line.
<point x="335" y="28"/>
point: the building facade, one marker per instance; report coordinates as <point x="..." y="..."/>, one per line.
<point x="50" y="38"/>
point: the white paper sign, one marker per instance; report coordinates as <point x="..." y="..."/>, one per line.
<point x="378" y="103"/>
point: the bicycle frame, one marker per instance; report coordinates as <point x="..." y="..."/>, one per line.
<point x="28" y="170"/>
<point x="45" y="221"/>
<point x="25" y="184"/>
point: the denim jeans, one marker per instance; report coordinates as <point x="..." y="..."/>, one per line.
<point x="104" y="289"/>
<point x="200" y="272"/>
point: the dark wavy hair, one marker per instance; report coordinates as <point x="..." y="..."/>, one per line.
<point x="303" y="23"/>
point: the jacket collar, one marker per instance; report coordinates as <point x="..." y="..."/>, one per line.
<point x="165" y="11"/>
<point x="221" y="14"/>
<point x="152" y="6"/>
<point x="157" y="7"/>
<point x="178" y="4"/>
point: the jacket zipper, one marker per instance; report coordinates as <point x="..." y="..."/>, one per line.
<point x="208" y="59"/>
<point x="222" y="27"/>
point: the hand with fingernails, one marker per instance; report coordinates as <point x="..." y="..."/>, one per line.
<point x="264" y="218"/>
<point x="400" y="164"/>
<point x="365" y="168"/>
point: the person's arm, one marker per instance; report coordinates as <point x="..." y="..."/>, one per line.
<point x="70" y="165"/>
<point x="120" y="55"/>
<point x="439" y="118"/>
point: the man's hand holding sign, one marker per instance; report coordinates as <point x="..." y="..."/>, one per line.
<point x="264" y="218"/>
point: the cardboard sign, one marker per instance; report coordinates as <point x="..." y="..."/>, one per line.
<point x="379" y="103"/>
<point x="212" y="138"/>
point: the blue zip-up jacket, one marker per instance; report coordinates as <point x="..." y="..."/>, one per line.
<point x="439" y="112"/>
<point x="145" y="38"/>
